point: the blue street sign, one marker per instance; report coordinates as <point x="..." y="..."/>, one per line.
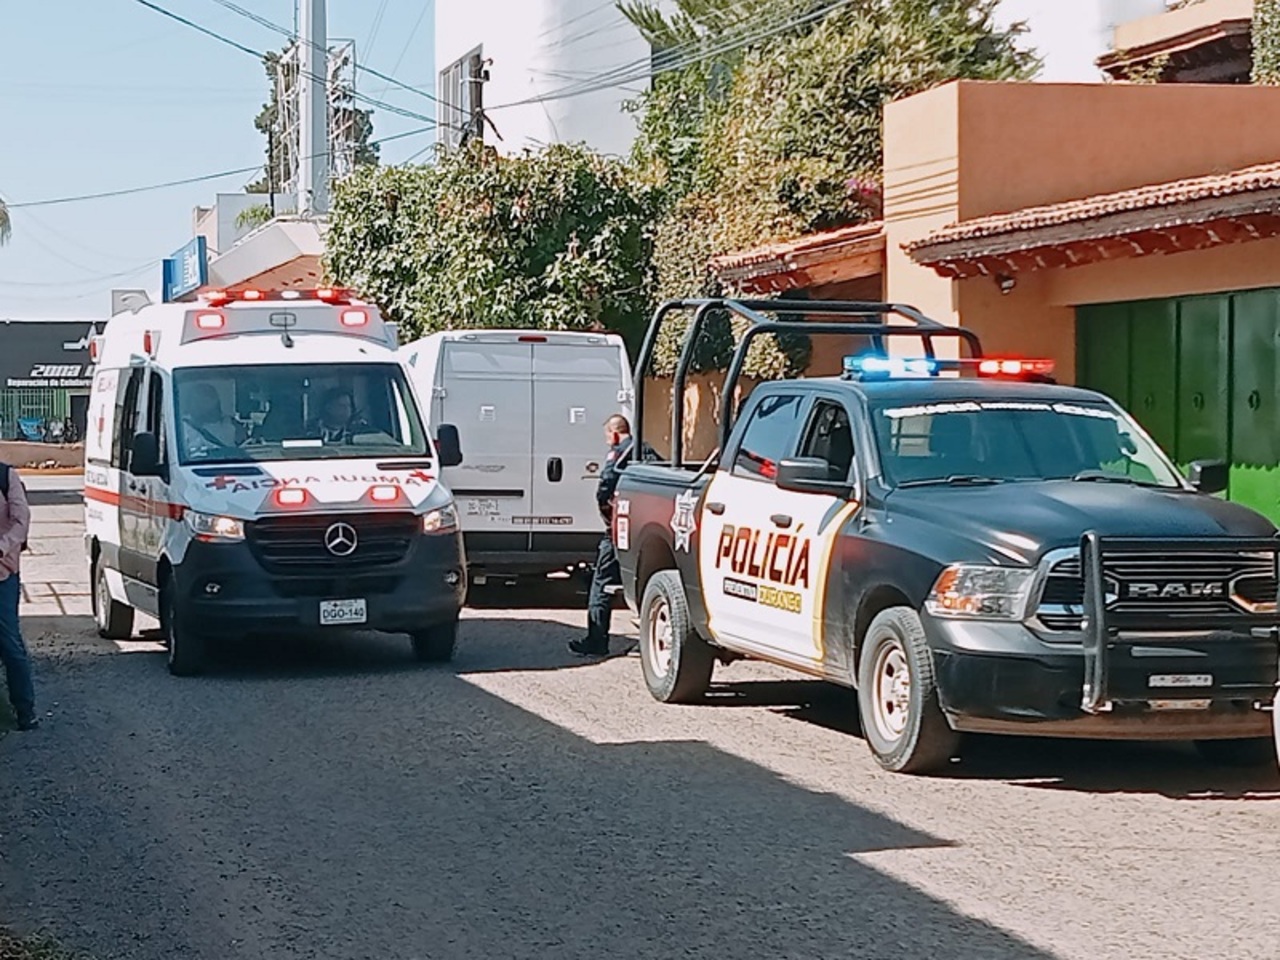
<point x="186" y="271"/>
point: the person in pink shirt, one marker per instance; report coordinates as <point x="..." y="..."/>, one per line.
<point x="15" y="524"/>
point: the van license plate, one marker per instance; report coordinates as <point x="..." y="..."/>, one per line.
<point x="1180" y="680"/>
<point x="339" y="613"/>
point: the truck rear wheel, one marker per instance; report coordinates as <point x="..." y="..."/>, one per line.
<point x="114" y="619"/>
<point x="898" y="699"/>
<point x="1254" y="752"/>
<point x="677" y="663"/>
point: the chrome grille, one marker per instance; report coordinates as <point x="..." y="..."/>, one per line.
<point x="1178" y="586"/>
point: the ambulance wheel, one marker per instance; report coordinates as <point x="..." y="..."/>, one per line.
<point x="114" y="619"/>
<point x="1253" y="752"/>
<point x="898" y="698"/>
<point x="436" y="643"/>
<point x="186" y="647"/>
<point x="677" y="663"/>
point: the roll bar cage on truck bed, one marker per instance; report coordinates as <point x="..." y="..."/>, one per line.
<point x="1140" y="596"/>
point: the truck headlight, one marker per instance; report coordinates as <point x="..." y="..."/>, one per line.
<point x="207" y="526"/>
<point x="443" y="520"/>
<point x="973" y="592"/>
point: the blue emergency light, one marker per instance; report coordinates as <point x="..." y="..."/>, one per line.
<point x="877" y="366"/>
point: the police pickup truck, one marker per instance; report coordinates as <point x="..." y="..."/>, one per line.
<point x="970" y="546"/>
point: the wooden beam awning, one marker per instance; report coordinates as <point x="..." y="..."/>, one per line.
<point x="834" y="256"/>
<point x="1185" y="215"/>
<point x="1213" y="52"/>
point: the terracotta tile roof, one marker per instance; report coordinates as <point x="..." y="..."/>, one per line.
<point x="797" y="255"/>
<point x="1153" y="199"/>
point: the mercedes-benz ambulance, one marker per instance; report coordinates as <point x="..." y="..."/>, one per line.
<point x="256" y="464"/>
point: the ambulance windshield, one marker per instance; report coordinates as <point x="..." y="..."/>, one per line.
<point x="266" y="412"/>
<point x="997" y="440"/>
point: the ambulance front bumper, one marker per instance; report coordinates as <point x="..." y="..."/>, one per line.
<point x="225" y="588"/>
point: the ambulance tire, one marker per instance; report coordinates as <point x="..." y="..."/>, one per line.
<point x="898" y="697"/>
<point x="186" y="648"/>
<point x="677" y="663"/>
<point x="1252" y="752"/>
<point x="436" y="643"/>
<point x="114" y="619"/>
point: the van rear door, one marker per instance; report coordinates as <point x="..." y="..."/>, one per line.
<point x="487" y="393"/>
<point x="578" y="382"/>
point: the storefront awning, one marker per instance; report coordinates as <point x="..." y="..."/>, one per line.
<point x="1165" y="218"/>
<point x="835" y="256"/>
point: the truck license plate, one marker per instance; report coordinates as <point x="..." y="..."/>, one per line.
<point x="1180" y="680"/>
<point x="339" y="613"/>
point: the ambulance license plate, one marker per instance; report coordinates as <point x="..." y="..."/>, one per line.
<point x="341" y="613"/>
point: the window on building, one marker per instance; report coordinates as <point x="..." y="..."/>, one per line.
<point x="461" y="97"/>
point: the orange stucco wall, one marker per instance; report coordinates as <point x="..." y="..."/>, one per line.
<point x="967" y="150"/>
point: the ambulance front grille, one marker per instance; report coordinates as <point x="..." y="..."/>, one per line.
<point x="297" y="544"/>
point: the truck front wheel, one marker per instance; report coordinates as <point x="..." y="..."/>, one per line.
<point x="677" y="663"/>
<point x="898" y="699"/>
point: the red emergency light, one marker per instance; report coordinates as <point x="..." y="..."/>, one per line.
<point x="1013" y="368"/>
<point x="384" y="493"/>
<point x="354" y="318"/>
<point x="291" y="496"/>
<point x="210" y="321"/>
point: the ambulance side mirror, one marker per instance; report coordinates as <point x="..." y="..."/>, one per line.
<point x="144" y="456"/>
<point x="448" y="445"/>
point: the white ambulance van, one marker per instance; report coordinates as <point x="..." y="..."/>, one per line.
<point x="257" y="464"/>
<point x="529" y="407"/>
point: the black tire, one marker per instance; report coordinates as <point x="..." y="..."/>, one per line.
<point x="437" y="643"/>
<point x="905" y="728"/>
<point x="677" y="663"/>
<point x="1254" y="752"/>
<point x="186" y="647"/>
<point x="114" y="619"/>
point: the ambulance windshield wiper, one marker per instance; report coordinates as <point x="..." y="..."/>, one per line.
<point x="957" y="480"/>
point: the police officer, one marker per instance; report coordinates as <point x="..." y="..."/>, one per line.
<point x="617" y="434"/>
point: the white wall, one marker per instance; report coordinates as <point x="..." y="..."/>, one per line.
<point x="1071" y="34"/>
<point x="539" y="47"/>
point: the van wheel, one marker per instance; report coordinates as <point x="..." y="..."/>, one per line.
<point x="677" y="663"/>
<point x="186" y="647"/>
<point x="114" y="619"/>
<point x="898" y="699"/>
<point x="1254" y="752"/>
<point x="436" y="644"/>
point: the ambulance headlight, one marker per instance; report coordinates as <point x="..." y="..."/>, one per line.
<point x="973" y="592"/>
<point x="209" y="527"/>
<point x="443" y="520"/>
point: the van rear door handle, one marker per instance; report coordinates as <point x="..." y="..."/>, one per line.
<point x="781" y="520"/>
<point x="716" y="508"/>
<point x="555" y="469"/>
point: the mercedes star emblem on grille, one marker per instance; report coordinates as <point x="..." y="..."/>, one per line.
<point x="340" y="539"/>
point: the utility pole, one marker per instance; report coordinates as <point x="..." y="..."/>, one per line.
<point x="313" y="95"/>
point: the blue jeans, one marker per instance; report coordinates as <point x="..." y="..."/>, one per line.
<point x="13" y="652"/>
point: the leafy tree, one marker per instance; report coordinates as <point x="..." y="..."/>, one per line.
<point x="785" y="136"/>
<point x="551" y="240"/>
<point x="1266" y="41"/>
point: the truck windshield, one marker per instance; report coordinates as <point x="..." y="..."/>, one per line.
<point x="998" y="440"/>
<point x="295" y="412"/>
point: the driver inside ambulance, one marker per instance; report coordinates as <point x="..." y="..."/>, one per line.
<point x="206" y="428"/>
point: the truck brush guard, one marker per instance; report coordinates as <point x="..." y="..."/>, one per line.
<point x="1164" y="620"/>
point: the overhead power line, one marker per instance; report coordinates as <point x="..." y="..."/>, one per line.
<point x="129" y="191"/>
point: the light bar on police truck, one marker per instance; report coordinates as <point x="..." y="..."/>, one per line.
<point x="876" y="366"/>
<point x="331" y="295"/>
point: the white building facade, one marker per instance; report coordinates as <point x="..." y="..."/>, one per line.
<point x="544" y="71"/>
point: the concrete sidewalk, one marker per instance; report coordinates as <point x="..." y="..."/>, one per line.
<point x="55" y="572"/>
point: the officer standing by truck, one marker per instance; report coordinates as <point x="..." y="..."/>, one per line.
<point x="617" y="434"/>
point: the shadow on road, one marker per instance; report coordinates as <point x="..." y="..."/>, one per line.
<point x="55" y="498"/>
<point x="406" y="813"/>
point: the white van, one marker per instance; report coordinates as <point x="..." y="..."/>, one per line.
<point x="257" y="464"/>
<point x="529" y="407"/>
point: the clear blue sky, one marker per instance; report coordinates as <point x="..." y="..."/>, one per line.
<point x="97" y="95"/>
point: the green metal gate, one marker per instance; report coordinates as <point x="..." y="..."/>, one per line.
<point x="1200" y="374"/>
<point x="36" y="402"/>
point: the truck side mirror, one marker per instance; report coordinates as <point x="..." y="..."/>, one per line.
<point x="810" y="475"/>
<point x="448" y="445"/>
<point x="144" y="455"/>
<point x="1209" y="476"/>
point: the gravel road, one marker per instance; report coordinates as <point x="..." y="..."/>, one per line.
<point x="336" y="800"/>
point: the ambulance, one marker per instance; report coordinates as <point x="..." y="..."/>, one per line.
<point x="530" y="406"/>
<point x="256" y="464"/>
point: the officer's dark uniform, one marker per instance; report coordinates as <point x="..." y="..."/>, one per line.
<point x="607" y="572"/>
